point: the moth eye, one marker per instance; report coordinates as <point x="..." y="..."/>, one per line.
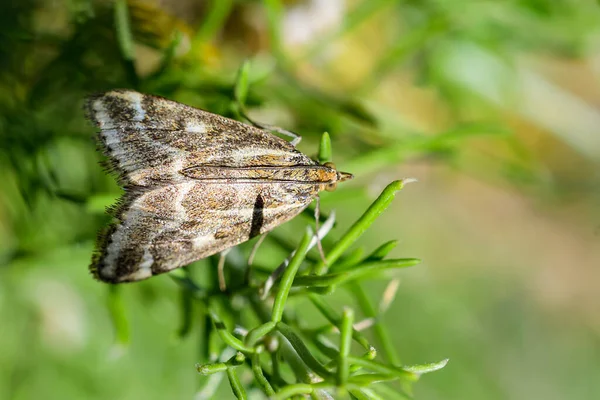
<point x="331" y="187"/>
<point x="329" y="165"/>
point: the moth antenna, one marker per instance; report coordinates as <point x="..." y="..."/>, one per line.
<point x="295" y="137"/>
<point x="317" y="216"/>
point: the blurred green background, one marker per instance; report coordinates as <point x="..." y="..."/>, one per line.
<point x="494" y="106"/>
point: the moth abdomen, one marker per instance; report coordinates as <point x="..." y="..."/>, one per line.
<point x="311" y="174"/>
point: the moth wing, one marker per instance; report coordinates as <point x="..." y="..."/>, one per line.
<point x="168" y="227"/>
<point x="149" y="139"/>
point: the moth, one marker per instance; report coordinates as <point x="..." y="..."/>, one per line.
<point x="195" y="183"/>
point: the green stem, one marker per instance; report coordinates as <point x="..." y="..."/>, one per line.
<point x="227" y="337"/>
<point x="214" y="20"/>
<point x="236" y="386"/>
<point x="383" y="369"/>
<point x="288" y="277"/>
<point x="123" y="28"/>
<point x="293" y="390"/>
<point x="345" y="343"/>
<point x="301" y="349"/>
<point x="360" y="226"/>
<point x="259" y="332"/>
<point x="313" y="281"/>
<point x="259" y="377"/>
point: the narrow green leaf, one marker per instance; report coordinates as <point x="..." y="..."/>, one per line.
<point x="242" y="84"/>
<point x="346" y="330"/>
<point x="209" y="369"/>
<point x="168" y="54"/>
<point x="378" y="254"/>
<point x="383" y="368"/>
<point x="259" y="376"/>
<point x="351" y="258"/>
<point x="186" y="302"/>
<point x="366" y="394"/>
<point x="369" y="379"/>
<point x="274" y="10"/>
<point x="325" y="153"/>
<point x="288" y="276"/>
<point x="382" y="251"/>
<point x="116" y="309"/>
<point x="293" y="390"/>
<point x="360" y="271"/>
<point x="301" y="349"/>
<point x="236" y="386"/>
<point x="227" y="337"/>
<point x="123" y="28"/>
<point x="360" y="226"/>
<point x="426" y="368"/>
<point x="214" y="20"/>
<point x="259" y="332"/>
<point x="326" y="347"/>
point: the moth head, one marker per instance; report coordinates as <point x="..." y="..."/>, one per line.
<point x="340" y="177"/>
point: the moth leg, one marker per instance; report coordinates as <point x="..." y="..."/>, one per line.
<point x="253" y="254"/>
<point x="255" y="247"/>
<point x="317" y="216"/>
<point x="221" y="270"/>
<point x="268" y="284"/>
<point x="295" y="137"/>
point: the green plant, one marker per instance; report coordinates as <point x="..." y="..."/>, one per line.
<point x="278" y="343"/>
<point x="287" y="356"/>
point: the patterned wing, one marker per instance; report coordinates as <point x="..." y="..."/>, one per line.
<point x="150" y="139"/>
<point x="172" y="226"/>
<point x="188" y="179"/>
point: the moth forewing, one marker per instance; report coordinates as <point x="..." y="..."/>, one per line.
<point x="196" y="183"/>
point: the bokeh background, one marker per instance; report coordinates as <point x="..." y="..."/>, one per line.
<point x="494" y="106"/>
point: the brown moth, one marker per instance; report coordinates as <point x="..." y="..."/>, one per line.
<point x="196" y="183"/>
